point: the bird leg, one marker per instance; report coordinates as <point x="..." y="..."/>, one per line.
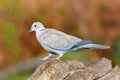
<point x="60" y="55"/>
<point x="47" y="57"/>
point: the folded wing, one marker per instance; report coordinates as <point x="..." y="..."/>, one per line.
<point x="58" y="40"/>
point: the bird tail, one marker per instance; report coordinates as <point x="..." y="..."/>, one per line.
<point x="87" y="44"/>
<point x="95" y="46"/>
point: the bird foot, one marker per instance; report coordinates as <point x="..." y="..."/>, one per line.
<point x="45" y="58"/>
<point x="57" y="58"/>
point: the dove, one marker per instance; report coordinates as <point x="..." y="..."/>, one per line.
<point x="58" y="43"/>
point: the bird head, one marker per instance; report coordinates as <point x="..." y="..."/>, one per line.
<point x="37" y="26"/>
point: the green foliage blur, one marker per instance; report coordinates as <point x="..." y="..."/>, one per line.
<point x="19" y="76"/>
<point x="97" y="20"/>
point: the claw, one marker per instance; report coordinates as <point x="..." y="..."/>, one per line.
<point x="46" y="58"/>
<point x="58" y="58"/>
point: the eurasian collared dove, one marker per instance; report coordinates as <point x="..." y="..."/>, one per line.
<point x="57" y="42"/>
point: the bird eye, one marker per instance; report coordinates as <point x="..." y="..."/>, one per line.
<point x="35" y="25"/>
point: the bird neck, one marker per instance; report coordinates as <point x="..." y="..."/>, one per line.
<point x="42" y="29"/>
<point x="39" y="31"/>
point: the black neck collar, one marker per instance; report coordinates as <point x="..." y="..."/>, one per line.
<point x="42" y="29"/>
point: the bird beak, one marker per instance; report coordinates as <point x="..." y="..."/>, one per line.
<point x="30" y="30"/>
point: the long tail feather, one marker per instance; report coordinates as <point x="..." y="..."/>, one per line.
<point x="94" y="46"/>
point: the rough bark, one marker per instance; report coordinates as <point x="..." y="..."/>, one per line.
<point x="75" y="70"/>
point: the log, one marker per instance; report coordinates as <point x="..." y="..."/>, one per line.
<point x="75" y="70"/>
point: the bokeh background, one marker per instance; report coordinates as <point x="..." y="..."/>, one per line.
<point x="97" y="20"/>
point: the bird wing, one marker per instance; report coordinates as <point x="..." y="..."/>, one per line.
<point x="58" y="40"/>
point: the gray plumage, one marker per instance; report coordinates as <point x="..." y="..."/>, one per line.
<point x="57" y="42"/>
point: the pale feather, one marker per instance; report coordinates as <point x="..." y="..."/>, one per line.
<point x="58" y="40"/>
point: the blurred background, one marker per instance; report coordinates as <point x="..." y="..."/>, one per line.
<point x="97" y="20"/>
